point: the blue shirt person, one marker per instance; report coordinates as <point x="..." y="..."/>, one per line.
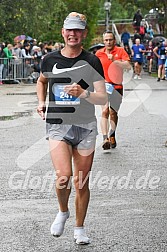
<point x="125" y="38"/>
<point x="137" y="54"/>
<point x="150" y="31"/>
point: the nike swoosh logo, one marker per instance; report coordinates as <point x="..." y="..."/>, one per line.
<point x="56" y="70"/>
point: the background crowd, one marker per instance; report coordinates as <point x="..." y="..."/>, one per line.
<point x="147" y="50"/>
<point x="31" y="53"/>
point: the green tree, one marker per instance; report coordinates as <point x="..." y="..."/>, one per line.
<point x="43" y="20"/>
<point x="145" y="6"/>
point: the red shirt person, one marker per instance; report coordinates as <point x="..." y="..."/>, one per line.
<point x="114" y="60"/>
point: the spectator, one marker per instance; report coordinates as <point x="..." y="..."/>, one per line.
<point x="57" y="47"/>
<point x="44" y="49"/>
<point x="150" y="31"/>
<point x="127" y="49"/>
<point x="26" y="51"/>
<point x="137" y="19"/>
<point x="142" y="32"/>
<point x="32" y="44"/>
<point x="8" y="55"/>
<point x="136" y="36"/>
<point x="17" y="50"/>
<point x="161" y="20"/>
<point x="8" y="51"/>
<point x="27" y="60"/>
<point x="50" y="46"/>
<point x="125" y="37"/>
<point x="18" y="53"/>
<point x="2" y="45"/>
<point x="37" y="53"/>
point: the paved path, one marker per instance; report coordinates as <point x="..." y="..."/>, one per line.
<point x="128" y="206"/>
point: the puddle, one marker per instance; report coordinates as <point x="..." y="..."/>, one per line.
<point x="16" y="116"/>
<point x="30" y="93"/>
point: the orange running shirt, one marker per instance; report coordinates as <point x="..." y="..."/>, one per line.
<point x="112" y="72"/>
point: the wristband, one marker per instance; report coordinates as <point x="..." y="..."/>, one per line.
<point x="87" y="94"/>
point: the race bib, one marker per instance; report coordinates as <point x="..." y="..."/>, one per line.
<point x="109" y="88"/>
<point x="149" y="54"/>
<point x="162" y="57"/>
<point x="62" y="98"/>
<point x="138" y="56"/>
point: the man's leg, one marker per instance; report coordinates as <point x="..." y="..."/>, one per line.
<point x="113" y="124"/>
<point x="159" y="72"/>
<point x="163" y="72"/>
<point x="61" y="155"/>
<point x="105" y="126"/>
<point x="82" y="168"/>
<point x="139" y="70"/>
<point x="104" y="119"/>
<point x="115" y="103"/>
<point x="150" y="65"/>
<point x="136" y="70"/>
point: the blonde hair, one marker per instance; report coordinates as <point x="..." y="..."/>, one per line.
<point x="76" y="14"/>
<point x="9" y="46"/>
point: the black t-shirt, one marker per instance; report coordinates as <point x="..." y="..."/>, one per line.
<point x="138" y="18"/>
<point x="60" y="71"/>
<point x="136" y="36"/>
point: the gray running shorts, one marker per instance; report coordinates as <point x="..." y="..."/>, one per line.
<point x="82" y="136"/>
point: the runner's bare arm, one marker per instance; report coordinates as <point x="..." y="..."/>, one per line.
<point x="42" y="85"/>
<point x="155" y="52"/>
<point x="123" y="64"/>
<point x="99" y="97"/>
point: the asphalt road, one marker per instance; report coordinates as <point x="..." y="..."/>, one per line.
<point x="128" y="206"/>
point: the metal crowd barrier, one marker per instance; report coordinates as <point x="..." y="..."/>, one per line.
<point x="19" y="69"/>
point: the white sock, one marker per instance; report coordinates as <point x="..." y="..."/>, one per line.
<point x="80" y="236"/>
<point x="57" y="227"/>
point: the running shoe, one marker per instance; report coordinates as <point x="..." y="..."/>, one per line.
<point x="80" y="236"/>
<point x="139" y="77"/>
<point x="106" y="144"/>
<point x="135" y="77"/>
<point x="113" y="142"/>
<point x="158" y="79"/>
<point x="57" y="227"/>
